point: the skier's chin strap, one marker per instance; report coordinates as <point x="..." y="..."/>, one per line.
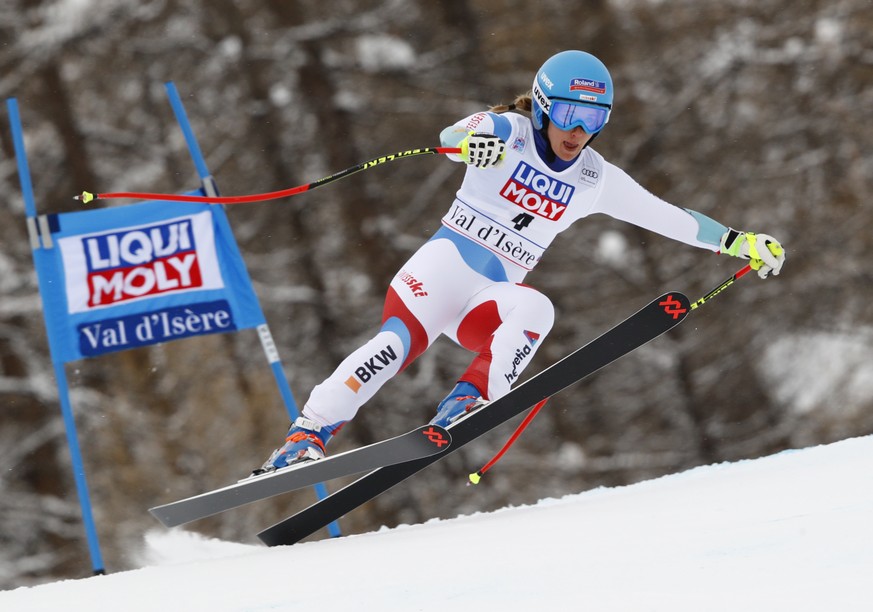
<point x="590" y="140"/>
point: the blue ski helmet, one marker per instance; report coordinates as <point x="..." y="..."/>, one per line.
<point x="572" y="88"/>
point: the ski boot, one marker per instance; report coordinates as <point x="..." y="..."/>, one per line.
<point x="305" y="442"/>
<point x="464" y="399"/>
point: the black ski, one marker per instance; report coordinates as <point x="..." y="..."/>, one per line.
<point x="653" y="320"/>
<point x="414" y="444"/>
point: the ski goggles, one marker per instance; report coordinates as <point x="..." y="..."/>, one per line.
<point x="568" y="115"/>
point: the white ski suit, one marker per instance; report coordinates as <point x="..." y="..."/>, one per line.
<point x="466" y="281"/>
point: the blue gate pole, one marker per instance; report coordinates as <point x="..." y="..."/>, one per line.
<point x="60" y="373"/>
<point x="79" y="470"/>
<point x="210" y="189"/>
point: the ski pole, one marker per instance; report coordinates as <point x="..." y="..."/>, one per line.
<point x="476" y="476"/>
<point x="86" y="196"/>
<point x="730" y="281"/>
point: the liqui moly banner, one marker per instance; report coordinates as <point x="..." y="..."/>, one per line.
<point x="144" y="274"/>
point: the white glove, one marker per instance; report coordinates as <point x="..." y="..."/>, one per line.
<point x="765" y="253"/>
<point x="482" y="150"/>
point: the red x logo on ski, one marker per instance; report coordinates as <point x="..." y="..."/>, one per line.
<point x="436" y="437"/>
<point x="672" y="306"/>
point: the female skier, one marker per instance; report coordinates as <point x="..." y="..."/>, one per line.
<point x="528" y="179"/>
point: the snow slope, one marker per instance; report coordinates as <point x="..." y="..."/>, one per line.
<point x="793" y="531"/>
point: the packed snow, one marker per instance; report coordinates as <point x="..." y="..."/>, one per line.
<point x="792" y="531"/>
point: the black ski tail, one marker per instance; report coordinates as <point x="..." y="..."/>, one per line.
<point x="659" y="316"/>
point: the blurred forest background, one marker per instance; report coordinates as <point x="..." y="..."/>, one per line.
<point x="756" y="113"/>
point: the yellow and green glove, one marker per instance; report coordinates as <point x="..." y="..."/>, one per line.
<point x="765" y="253"/>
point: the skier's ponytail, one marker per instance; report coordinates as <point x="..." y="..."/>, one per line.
<point x="522" y="102"/>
